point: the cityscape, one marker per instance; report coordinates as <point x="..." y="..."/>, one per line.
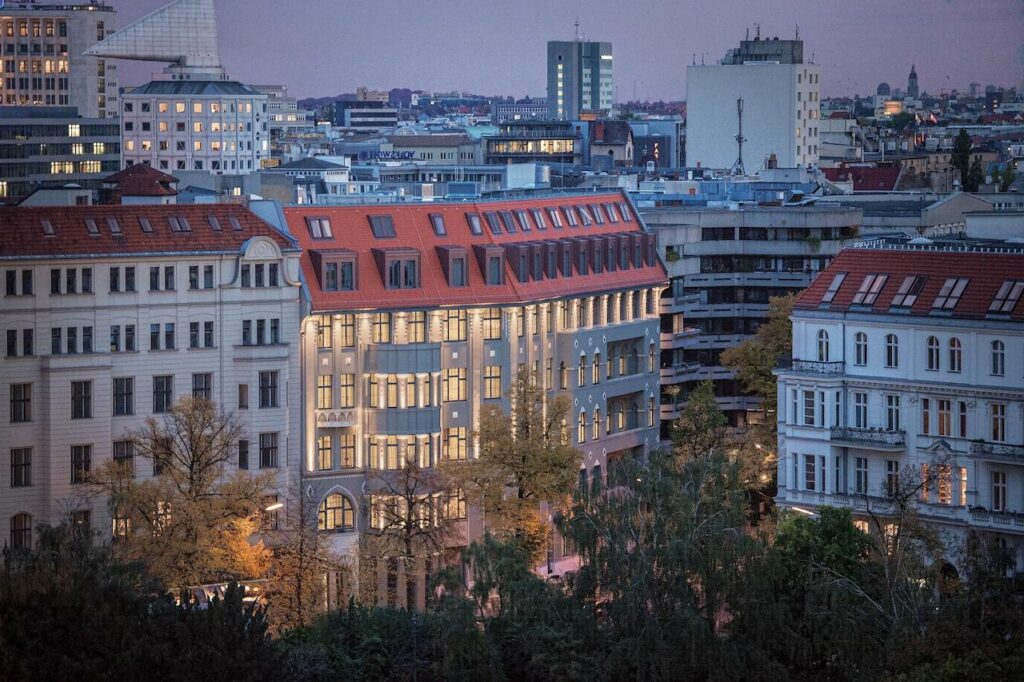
<point x="578" y="382"/>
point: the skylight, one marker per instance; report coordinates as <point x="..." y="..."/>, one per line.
<point x="624" y="210"/>
<point x="833" y="288"/>
<point x="909" y="290"/>
<point x="509" y="221"/>
<point x="613" y="213"/>
<point x="950" y="293"/>
<point x="437" y="222"/>
<point x="319" y="228"/>
<point x="214" y="222"/>
<point x="91" y="228"/>
<point x="595" y="210"/>
<point x="145" y="225"/>
<point x="584" y="215"/>
<point x="492" y="222"/>
<point x="869" y="289"/>
<point x="115" y="227"/>
<point x="1007" y="297"/>
<point x="383" y="227"/>
<point x="524" y="220"/>
<point x="237" y="226"/>
<point x="556" y="217"/>
<point x="538" y="219"/>
<point x="474" y="223"/>
<point x="48" y="228"/>
<point x="570" y="216"/>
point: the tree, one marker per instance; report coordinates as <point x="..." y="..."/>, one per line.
<point x="525" y="461"/>
<point x="960" y="158"/>
<point x="700" y="430"/>
<point x="192" y="522"/>
<point x="754" y="359"/>
<point x="975" y="177"/>
<point x="1007" y="177"/>
<point x="300" y="561"/>
<point x="411" y="520"/>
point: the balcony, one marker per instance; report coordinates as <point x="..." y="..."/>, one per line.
<point x="870" y="439"/>
<point x="1004" y="521"/>
<point x="1003" y="451"/>
<point x="811" y="367"/>
<point x="332" y="419"/>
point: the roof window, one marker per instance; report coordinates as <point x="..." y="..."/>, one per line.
<point x="1007" y="297"/>
<point x="869" y="289"/>
<point x="437" y="222"/>
<point x="319" y="228"/>
<point x="909" y="290"/>
<point x="949" y="294"/>
<point x="833" y="288"/>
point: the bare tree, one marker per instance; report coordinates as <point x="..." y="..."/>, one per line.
<point x="411" y="519"/>
<point x="193" y="521"/>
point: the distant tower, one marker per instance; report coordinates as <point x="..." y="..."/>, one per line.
<point x="912" y="90"/>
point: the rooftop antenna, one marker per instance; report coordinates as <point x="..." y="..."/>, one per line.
<point x="577" y="26"/>
<point x="748" y="33"/>
<point x="757" y="29"/>
<point x="798" y="32"/>
<point x="737" y="168"/>
<point x="695" y="59"/>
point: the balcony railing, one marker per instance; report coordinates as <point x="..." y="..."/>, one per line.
<point x="1003" y="450"/>
<point x="811" y="366"/>
<point x="892" y="439"/>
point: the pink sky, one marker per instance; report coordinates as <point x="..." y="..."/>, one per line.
<point x="325" y="47"/>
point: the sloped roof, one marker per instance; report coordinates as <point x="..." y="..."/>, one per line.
<point x="140" y="180"/>
<point x="23" y="234"/>
<point x="429" y="140"/>
<point x="193" y="88"/>
<point x="311" y="163"/>
<point x="610" y="132"/>
<point x="865" y="178"/>
<point x="985" y="271"/>
<point x="413" y="231"/>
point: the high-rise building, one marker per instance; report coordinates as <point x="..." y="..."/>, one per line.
<point x="47" y="147"/>
<point x="196" y="117"/>
<point x="912" y="89"/>
<point x="112" y="313"/>
<point x="905" y="389"/>
<point x="420" y="316"/>
<point x="579" y="79"/>
<point x="44" y="62"/>
<point x="763" y="87"/>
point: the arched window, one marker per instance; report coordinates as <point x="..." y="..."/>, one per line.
<point x="634" y="361"/>
<point x="595" y="373"/>
<point x="955" y="355"/>
<point x="822" y="345"/>
<point x="892" y="351"/>
<point x="595" y="429"/>
<point x="563" y="375"/>
<point x="651" y="355"/>
<point x="650" y="411"/>
<point x="933" y="353"/>
<point x="998" y="358"/>
<point x="860" y="349"/>
<point x="336" y="514"/>
<point x="21" y="531"/>
<point x="583" y="371"/>
<point x="581" y="434"/>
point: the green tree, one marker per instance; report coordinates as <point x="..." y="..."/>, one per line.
<point x="975" y="176"/>
<point x="1007" y="177"/>
<point x="700" y="430"/>
<point x="192" y="522"/>
<point x="525" y="461"/>
<point x="754" y="360"/>
<point x="960" y="158"/>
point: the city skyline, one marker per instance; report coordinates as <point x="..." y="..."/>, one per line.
<point x="651" y="52"/>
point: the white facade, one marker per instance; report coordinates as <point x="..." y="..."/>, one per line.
<point x="780" y="114"/>
<point x="872" y="399"/>
<point x="171" y="127"/>
<point x="89" y="350"/>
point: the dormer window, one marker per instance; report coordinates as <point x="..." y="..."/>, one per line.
<point x="383" y="226"/>
<point x="491" y="261"/>
<point x="457" y="272"/>
<point x="336" y="269"/>
<point x="437" y="222"/>
<point x="319" y="228"/>
<point x="403" y="273"/>
<point x="473" y="220"/>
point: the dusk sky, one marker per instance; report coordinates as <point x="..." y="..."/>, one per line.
<point x="326" y="47"/>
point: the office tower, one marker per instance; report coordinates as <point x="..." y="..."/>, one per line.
<point x="579" y="79"/>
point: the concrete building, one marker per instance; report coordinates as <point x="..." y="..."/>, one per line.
<point x="534" y="141"/>
<point x="421" y="315"/>
<point x="44" y="62"/>
<point x="366" y="116"/>
<point x="520" y="110"/>
<point x="779" y="93"/>
<point x="724" y="264"/>
<point x="906" y="379"/>
<point x="315" y="179"/>
<point x="579" y="79"/>
<point x="611" y="144"/>
<point x="436" y="150"/>
<point x="50" y="147"/>
<point x="195" y="117"/>
<point x="112" y="313"/>
<point x="284" y="117"/>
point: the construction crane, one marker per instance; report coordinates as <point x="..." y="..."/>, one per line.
<point x="737" y="167"/>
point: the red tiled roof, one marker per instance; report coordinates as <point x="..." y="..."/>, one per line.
<point x="986" y="273"/>
<point x="865" y="178"/>
<point x="140" y="180"/>
<point x="351" y="229"/>
<point x="22" y="233"/>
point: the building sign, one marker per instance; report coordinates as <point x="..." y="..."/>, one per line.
<point x="386" y="156"/>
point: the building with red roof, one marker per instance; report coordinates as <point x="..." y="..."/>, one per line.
<point x="907" y="382"/>
<point x="110" y="314"/>
<point x="420" y="315"/>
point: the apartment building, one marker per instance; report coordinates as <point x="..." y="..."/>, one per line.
<point x="908" y="370"/>
<point x="420" y="315"/>
<point x="112" y="313"/>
